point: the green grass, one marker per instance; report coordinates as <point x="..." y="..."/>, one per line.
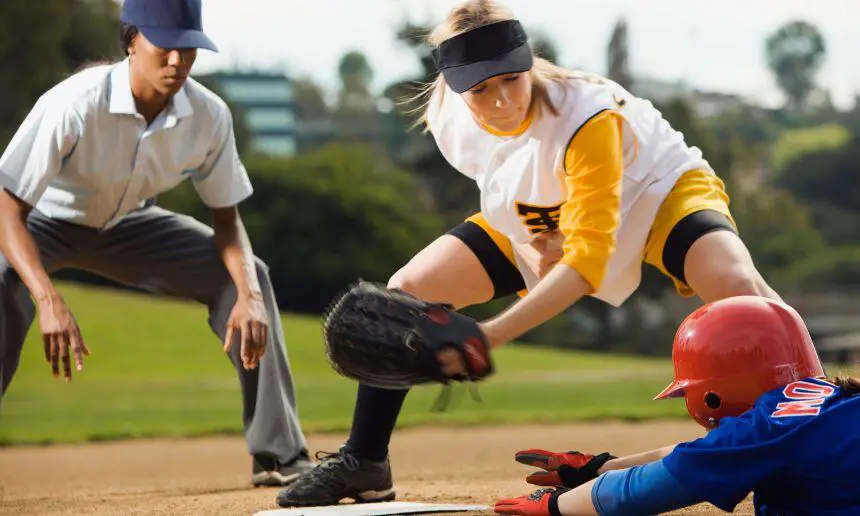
<point x="156" y="370"/>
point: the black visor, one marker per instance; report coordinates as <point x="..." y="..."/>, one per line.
<point x="473" y="57"/>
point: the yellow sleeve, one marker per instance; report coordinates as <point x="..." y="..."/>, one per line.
<point x="594" y="166"/>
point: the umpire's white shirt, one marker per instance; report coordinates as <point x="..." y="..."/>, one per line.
<point x="86" y="156"/>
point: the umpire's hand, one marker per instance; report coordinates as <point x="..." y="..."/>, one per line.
<point x="61" y="335"/>
<point x="249" y="319"/>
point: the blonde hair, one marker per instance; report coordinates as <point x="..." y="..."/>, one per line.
<point x="849" y="384"/>
<point x="471" y="15"/>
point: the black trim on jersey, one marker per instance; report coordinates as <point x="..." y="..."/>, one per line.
<point x="506" y="278"/>
<point x="684" y="235"/>
<point x="570" y="141"/>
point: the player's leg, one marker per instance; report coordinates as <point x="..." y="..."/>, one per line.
<point x="718" y="265"/>
<point x="172" y="254"/>
<point x="465" y="267"/>
<point x="471" y="264"/>
<point x="53" y="239"/>
<point x="694" y="242"/>
<point x="446" y="271"/>
<point x="16" y="316"/>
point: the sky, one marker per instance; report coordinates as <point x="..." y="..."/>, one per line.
<point x="713" y="46"/>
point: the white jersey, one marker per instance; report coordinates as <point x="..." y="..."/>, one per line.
<point x="85" y="155"/>
<point x="521" y="178"/>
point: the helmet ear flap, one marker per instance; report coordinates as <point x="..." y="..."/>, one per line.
<point x="708" y="407"/>
<point x="712" y="400"/>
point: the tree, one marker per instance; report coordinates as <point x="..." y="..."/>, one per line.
<point x="415" y="38"/>
<point x="454" y="194"/>
<point x="834" y="269"/>
<point x="324" y="218"/>
<point x="795" y="143"/>
<point x="42" y="43"/>
<point x="543" y="46"/>
<point x="356" y="117"/>
<point x="682" y="118"/>
<point x="776" y="228"/>
<point x="795" y="52"/>
<point x="315" y="125"/>
<point x="827" y="179"/>
<point x="329" y="217"/>
<point x="617" y="55"/>
<point x="93" y="33"/>
<point x="355" y="76"/>
<point x="309" y="99"/>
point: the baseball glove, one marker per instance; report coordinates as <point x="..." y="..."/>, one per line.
<point x="390" y="339"/>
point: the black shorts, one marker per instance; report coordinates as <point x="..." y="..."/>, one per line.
<point x="507" y="279"/>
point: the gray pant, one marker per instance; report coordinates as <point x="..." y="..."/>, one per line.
<point x="171" y="254"/>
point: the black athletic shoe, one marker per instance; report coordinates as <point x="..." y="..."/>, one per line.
<point x="338" y="476"/>
<point x="267" y="471"/>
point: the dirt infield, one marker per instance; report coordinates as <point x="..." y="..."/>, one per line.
<point x="210" y="475"/>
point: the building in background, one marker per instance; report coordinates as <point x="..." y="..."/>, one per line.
<point x="657" y="90"/>
<point x="267" y="102"/>
<point x="706" y="104"/>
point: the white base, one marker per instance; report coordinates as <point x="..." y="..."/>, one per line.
<point x="373" y="509"/>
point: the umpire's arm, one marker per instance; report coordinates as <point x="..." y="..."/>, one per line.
<point x="30" y="162"/>
<point x="34" y="158"/>
<point x="248" y="318"/>
<point x="222" y="183"/>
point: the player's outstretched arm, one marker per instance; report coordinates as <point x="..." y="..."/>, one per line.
<point x="561" y="288"/>
<point x="572" y="468"/>
<point x="645" y="489"/>
<point x="636" y="460"/>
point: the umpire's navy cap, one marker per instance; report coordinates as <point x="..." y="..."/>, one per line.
<point x="168" y="23"/>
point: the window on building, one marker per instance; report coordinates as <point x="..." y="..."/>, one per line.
<point x="250" y="90"/>
<point x="274" y="145"/>
<point x="268" y="119"/>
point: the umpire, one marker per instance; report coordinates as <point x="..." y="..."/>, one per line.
<point x="75" y="181"/>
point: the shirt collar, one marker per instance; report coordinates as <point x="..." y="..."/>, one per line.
<point x="179" y="105"/>
<point x="122" y="101"/>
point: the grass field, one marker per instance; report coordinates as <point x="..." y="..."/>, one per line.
<point x="156" y="370"/>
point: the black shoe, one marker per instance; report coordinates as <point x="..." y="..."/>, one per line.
<point x="338" y="476"/>
<point x="267" y="471"/>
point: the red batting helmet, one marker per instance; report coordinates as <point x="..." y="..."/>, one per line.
<point x="730" y="352"/>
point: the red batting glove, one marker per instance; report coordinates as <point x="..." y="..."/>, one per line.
<point x="567" y="469"/>
<point x="543" y="502"/>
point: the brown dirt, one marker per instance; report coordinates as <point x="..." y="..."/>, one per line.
<point x="210" y="475"/>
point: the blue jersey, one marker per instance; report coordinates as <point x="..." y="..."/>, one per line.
<point x="797" y="449"/>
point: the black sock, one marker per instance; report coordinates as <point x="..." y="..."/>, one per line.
<point x="376" y="412"/>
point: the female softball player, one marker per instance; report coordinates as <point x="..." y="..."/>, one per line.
<point x="579" y="181"/>
<point x="777" y="427"/>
